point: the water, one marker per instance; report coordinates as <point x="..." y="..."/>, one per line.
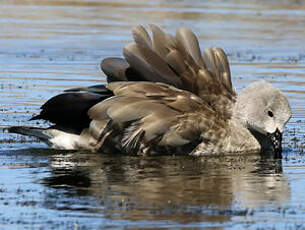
<point x="50" y="45"/>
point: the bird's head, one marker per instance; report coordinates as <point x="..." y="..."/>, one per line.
<point x="264" y="110"/>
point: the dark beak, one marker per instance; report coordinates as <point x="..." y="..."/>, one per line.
<point x="276" y="140"/>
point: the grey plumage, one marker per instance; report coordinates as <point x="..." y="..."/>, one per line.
<point x="168" y="97"/>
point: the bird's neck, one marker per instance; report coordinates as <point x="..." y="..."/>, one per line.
<point x="238" y="112"/>
<point x="239" y="116"/>
<point x="241" y="138"/>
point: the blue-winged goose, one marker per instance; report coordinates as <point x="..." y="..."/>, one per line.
<point x="165" y="97"/>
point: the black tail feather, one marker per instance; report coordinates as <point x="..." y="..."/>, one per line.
<point x="29" y="131"/>
<point x="70" y="109"/>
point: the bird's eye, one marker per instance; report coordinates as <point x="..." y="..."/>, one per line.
<point x="270" y="114"/>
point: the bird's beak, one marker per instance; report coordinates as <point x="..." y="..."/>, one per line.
<point x="276" y="140"/>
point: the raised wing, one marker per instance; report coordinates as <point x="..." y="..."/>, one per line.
<point x="176" y="61"/>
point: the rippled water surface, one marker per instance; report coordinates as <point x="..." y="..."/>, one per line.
<point x="47" y="46"/>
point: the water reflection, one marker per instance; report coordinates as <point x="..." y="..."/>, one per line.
<point x="169" y="187"/>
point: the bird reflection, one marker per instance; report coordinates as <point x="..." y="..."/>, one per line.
<point x="178" y="188"/>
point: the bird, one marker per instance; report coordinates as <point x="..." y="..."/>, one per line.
<point x="165" y="96"/>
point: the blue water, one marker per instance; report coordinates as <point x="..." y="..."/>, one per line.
<point x="48" y="46"/>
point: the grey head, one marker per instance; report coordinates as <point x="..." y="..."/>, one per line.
<point x="264" y="110"/>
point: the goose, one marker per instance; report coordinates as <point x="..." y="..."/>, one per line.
<point x="165" y="97"/>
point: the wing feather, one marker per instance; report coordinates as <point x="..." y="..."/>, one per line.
<point x="146" y="113"/>
<point x="189" y="45"/>
<point x="217" y="63"/>
<point x="159" y="40"/>
<point x="178" y="61"/>
<point x="141" y="36"/>
<point x="149" y="64"/>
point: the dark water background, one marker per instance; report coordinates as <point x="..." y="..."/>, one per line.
<point x="47" y="46"/>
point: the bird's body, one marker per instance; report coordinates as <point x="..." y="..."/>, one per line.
<point x="165" y="98"/>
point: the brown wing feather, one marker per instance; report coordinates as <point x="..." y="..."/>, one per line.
<point x="141" y="36"/>
<point x="159" y="37"/>
<point x="217" y="63"/>
<point x="178" y="61"/>
<point x="115" y="69"/>
<point x="189" y="44"/>
<point x="177" y="99"/>
<point x="149" y="113"/>
<point x="149" y="64"/>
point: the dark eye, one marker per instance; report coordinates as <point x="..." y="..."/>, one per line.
<point x="270" y="114"/>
